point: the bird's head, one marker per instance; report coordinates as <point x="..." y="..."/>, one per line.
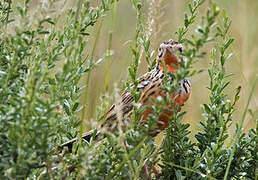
<point x="168" y="53"/>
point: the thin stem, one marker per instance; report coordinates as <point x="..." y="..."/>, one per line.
<point x="110" y="37"/>
<point x="78" y="10"/>
<point x="8" y="11"/>
<point x="85" y="99"/>
<point x="239" y="130"/>
<point x="81" y="125"/>
<point x="126" y="159"/>
<point x="191" y="170"/>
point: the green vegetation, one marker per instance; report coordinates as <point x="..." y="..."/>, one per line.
<point x="47" y="78"/>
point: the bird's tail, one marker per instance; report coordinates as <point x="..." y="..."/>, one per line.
<point x="85" y="137"/>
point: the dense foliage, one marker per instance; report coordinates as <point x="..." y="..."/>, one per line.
<point x="42" y="60"/>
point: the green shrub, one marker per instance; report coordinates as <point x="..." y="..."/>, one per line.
<point x="42" y="60"/>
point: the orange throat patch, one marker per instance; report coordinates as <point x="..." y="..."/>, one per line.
<point x="171" y="61"/>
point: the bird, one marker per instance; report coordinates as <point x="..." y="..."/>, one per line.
<point x="150" y="85"/>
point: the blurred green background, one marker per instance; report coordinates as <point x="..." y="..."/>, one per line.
<point x="169" y="16"/>
<point x="243" y="65"/>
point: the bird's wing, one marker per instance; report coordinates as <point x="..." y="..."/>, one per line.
<point x="125" y="105"/>
<point x="153" y="89"/>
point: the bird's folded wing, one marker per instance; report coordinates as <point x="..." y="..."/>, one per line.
<point x="125" y="105"/>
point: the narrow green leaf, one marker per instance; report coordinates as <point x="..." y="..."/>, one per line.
<point x="75" y="106"/>
<point x="228" y="43"/>
<point x="67" y="107"/>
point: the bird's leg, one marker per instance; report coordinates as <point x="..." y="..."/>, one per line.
<point x="147" y="174"/>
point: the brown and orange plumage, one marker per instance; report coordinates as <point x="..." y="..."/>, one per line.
<point x="150" y="85"/>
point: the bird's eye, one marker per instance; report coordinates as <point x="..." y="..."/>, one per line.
<point x="180" y="49"/>
<point x="160" y="52"/>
